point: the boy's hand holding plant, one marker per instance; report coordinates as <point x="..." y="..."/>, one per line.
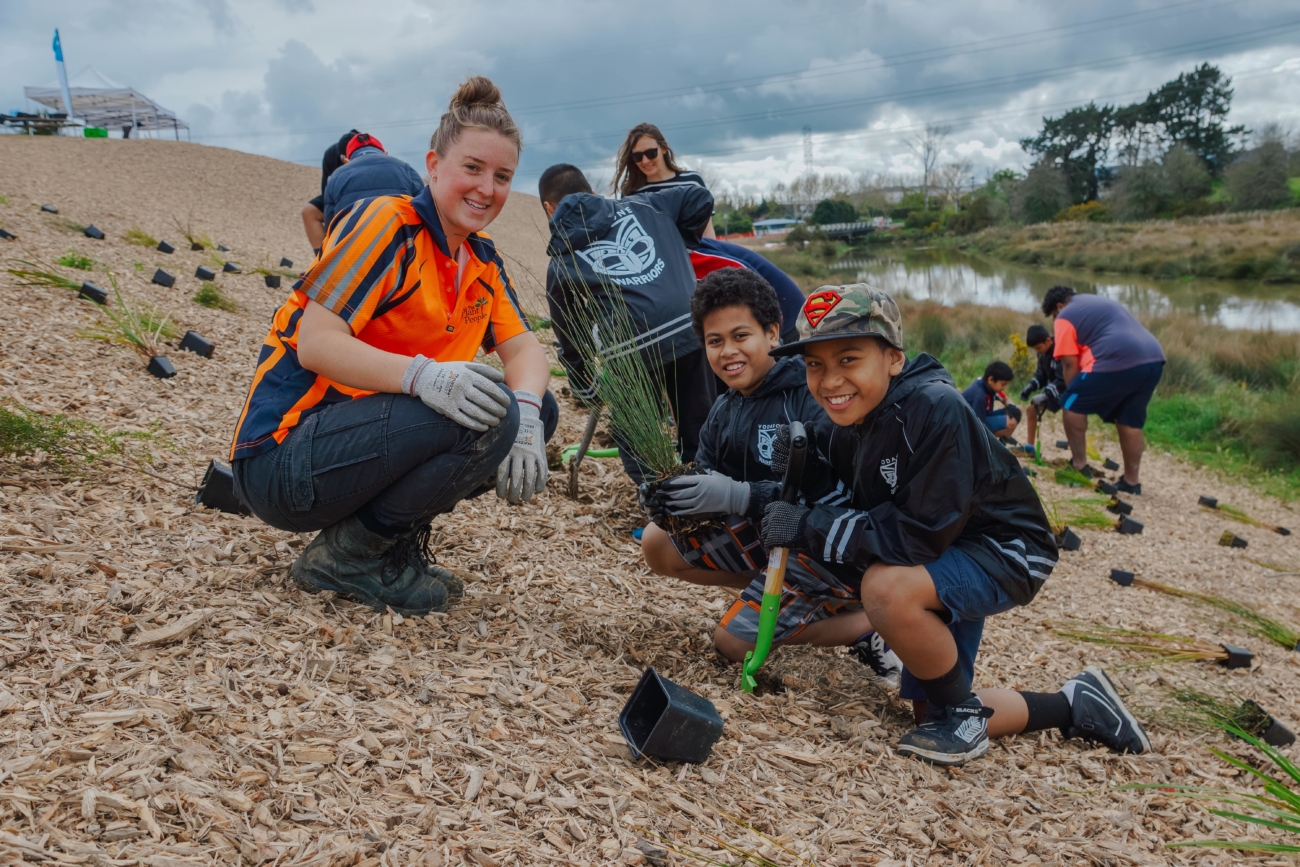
<point x="708" y="494"/>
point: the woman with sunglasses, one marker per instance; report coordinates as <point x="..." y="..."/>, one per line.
<point x="646" y="164"/>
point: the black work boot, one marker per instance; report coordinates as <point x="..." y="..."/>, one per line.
<point x="416" y="546"/>
<point x="372" y="569"/>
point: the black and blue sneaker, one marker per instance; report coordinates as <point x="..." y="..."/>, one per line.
<point x="1098" y="714"/>
<point x="872" y="651"/>
<point x="950" y="735"/>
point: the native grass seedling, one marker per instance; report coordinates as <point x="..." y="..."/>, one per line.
<point x="1256" y="623"/>
<point x="1157" y="648"/>
<point x="33" y="274"/>
<point x="141" y="238"/>
<point x="73" y="259"/>
<point x="1240" y="516"/>
<point x="197" y="241"/>
<point x="211" y="296"/>
<point x="139" y="325"/>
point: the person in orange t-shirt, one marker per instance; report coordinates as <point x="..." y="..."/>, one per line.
<point x="367" y="415"/>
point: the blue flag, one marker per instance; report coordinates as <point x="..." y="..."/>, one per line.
<point x="58" y="46"/>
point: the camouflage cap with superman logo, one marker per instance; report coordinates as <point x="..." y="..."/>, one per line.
<point x="837" y="312"/>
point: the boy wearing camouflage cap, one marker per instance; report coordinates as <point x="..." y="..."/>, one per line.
<point x="918" y="497"/>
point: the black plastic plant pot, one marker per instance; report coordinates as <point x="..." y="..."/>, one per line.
<point x="164" y="247"/>
<point x="1276" y="734"/>
<point x="7" y="236"/>
<point x="1062" y="444"/>
<point x="1282" y="531"/>
<point x="272" y="281"/>
<point x="1208" y="502"/>
<point x="91" y="292"/>
<point x="1070" y="540"/>
<point x="197" y="343"/>
<point x="223" y="248"/>
<point x="217" y="490"/>
<point x="205" y="273"/>
<point x="49" y="209"/>
<point x="1238" y="657"/>
<point x="669" y="722"/>
<point x="1230" y="539"/>
<point x="230" y="268"/>
<point x="92" y="232"/>
<point x="161" y="367"/>
<point x="1108" y="489"/>
<point x="286" y="263"/>
<point x="1119" y="507"/>
<point x="1128" y="526"/>
<point x="1122" y="578"/>
<point x="195" y="246"/>
<point x="162" y="278"/>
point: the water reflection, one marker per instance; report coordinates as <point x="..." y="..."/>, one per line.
<point x="957" y="278"/>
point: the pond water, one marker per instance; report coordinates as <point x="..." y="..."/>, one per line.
<point x="951" y="277"/>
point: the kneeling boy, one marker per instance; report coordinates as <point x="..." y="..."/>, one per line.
<point x="938" y="519"/>
<point x="738" y="319"/>
<point x="990" y="387"/>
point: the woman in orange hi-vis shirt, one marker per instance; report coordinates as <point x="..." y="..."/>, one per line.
<point x="367" y="415"/>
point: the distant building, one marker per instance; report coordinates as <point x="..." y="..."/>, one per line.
<point x="774" y="226"/>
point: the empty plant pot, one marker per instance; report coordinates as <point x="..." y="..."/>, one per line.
<point x="1070" y="540"/>
<point x="162" y="278"/>
<point x="1282" y="531"/>
<point x="8" y="236"/>
<point x="205" y="273"/>
<point x="1109" y="464"/>
<point x="1119" y="507"/>
<point x="286" y="263"/>
<point x="1208" y="502"/>
<point x="272" y="281"/>
<point x="164" y="247"/>
<point x="161" y="367"/>
<point x="223" y="248"/>
<point x="1230" y="539"/>
<point x="195" y="246"/>
<point x="230" y="268"/>
<point x="49" y="209"/>
<point x="217" y="490"/>
<point x="92" y="232"/>
<point x="91" y="292"/>
<point x="669" y="722"/>
<point x="1238" y="657"/>
<point x="1062" y="444"/>
<point x="1122" y="578"/>
<point x="1128" y="526"/>
<point x="197" y="343"/>
<point x="1108" y="489"/>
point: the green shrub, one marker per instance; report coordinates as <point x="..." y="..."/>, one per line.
<point x="1186" y="375"/>
<point x="72" y="259"/>
<point x="1275" y="434"/>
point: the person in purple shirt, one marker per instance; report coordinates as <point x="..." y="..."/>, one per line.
<point x="1112" y="366"/>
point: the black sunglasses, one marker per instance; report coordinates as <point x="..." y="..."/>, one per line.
<point x="647" y="154"/>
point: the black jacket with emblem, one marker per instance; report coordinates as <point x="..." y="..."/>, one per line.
<point x="635" y="247"/>
<point x="737" y="437"/>
<point x="920" y="474"/>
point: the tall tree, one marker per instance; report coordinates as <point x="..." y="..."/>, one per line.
<point x="926" y="146"/>
<point x="1076" y="143"/>
<point x="1192" y="110"/>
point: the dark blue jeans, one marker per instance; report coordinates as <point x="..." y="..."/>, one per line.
<point x="387" y="458"/>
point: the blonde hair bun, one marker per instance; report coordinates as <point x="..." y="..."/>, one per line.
<point x="476" y="104"/>
<point x="475" y="91"/>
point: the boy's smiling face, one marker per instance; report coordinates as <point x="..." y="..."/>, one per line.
<point x="849" y="377"/>
<point x="738" y="347"/>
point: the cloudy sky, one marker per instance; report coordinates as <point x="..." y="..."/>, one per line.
<point x="732" y="84"/>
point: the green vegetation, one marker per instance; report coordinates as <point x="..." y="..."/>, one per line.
<point x="34" y="275"/>
<point x="68" y="443"/>
<point x="136" y="324"/>
<point x="1257" y="624"/>
<point x="141" y="238"/>
<point x="72" y="259"/>
<point x="210" y="295"/>
<point x="4" y="200"/>
<point x="1157" y="648"/>
<point x="187" y="231"/>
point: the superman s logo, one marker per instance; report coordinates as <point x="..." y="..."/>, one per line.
<point x="818" y="305"/>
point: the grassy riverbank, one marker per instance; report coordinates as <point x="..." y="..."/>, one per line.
<point x="1247" y="246"/>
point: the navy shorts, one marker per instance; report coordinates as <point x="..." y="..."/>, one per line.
<point x="996" y="422"/>
<point x="970" y="594"/>
<point x="1118" y="396"/>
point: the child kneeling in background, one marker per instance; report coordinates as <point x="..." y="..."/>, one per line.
<point x="738" y="318"/>
<point x="939" y="521"/>
<point x="990" y="387"/>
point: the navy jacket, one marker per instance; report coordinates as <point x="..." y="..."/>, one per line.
<point x="980" y="398"/>
<point x="369" y="173"/>
<point x="626" y="255"/>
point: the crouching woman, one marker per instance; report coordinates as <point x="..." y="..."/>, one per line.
<point x="367" y="416"/>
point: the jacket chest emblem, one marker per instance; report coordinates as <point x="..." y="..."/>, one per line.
<point x="766" y="442"/>
<point x="889" y="470"/>
<point x="475" y="312"/>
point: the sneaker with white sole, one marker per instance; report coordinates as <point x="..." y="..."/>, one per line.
<point x="950" y="735"/>
<point x="1098" y="714"/>
<point x="872" y="651"/>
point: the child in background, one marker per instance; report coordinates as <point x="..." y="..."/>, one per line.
<point x="914" y="494"/>
<point x="737" y="316"/>
<point x="1049" y="377"/>
<point x="984" y="391"/>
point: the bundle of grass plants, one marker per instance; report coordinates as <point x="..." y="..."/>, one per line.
<point x="1160" y="649"/>
<point x="140" y="237"/>
<point x="136" y="324"/>
<point x="1278" y="807"/>
<point x="187" y="231"/>
<point x="34" y="275"/>
<point x="1069" y="476"/>
<point x="1075" y="512"/>
<point x="70" y="443"/>
<point x="1240" y="516"/>
<point x="1262" y="625"/>
<point x="72" y="259"/>
<point x="210" y="295"/>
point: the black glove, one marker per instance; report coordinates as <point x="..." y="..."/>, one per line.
<point x="651" y="504"/>
<point x="781" y="450"/>
<point x="1052" y="391"/>
<point x="784" y="525"/>
<point x="1026" y="391"/>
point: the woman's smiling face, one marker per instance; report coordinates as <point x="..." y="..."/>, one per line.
<point x="471" y="181"/>
<point x="654" y="169"/>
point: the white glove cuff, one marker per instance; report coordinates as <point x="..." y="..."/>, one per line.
<point x="530" y="405"/>
<point x="413" y="373"/>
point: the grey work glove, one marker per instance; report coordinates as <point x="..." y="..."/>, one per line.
<point x="784" y="525"/>
<point x="523" y="472"/>
<point x="465" y="392"/>
<point x="709" y="494"/>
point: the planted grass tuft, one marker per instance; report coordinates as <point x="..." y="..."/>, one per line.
<point x="211" y="296"/>
<point x="140" y="237"/>
<point x="1257" y="624"/>
<point x="136" y="324"/>
<point x="72" y="259"/>
<point x="34" y="275"/>
<point x="1160" y="649"/>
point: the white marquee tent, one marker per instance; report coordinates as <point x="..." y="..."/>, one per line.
<point x="100" y="102"/>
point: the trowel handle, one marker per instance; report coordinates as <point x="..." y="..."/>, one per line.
<point x="794" y="464"/>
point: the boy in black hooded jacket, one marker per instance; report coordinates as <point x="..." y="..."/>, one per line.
<point x="917" y="496"/>
<point x="737" y="316"/>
